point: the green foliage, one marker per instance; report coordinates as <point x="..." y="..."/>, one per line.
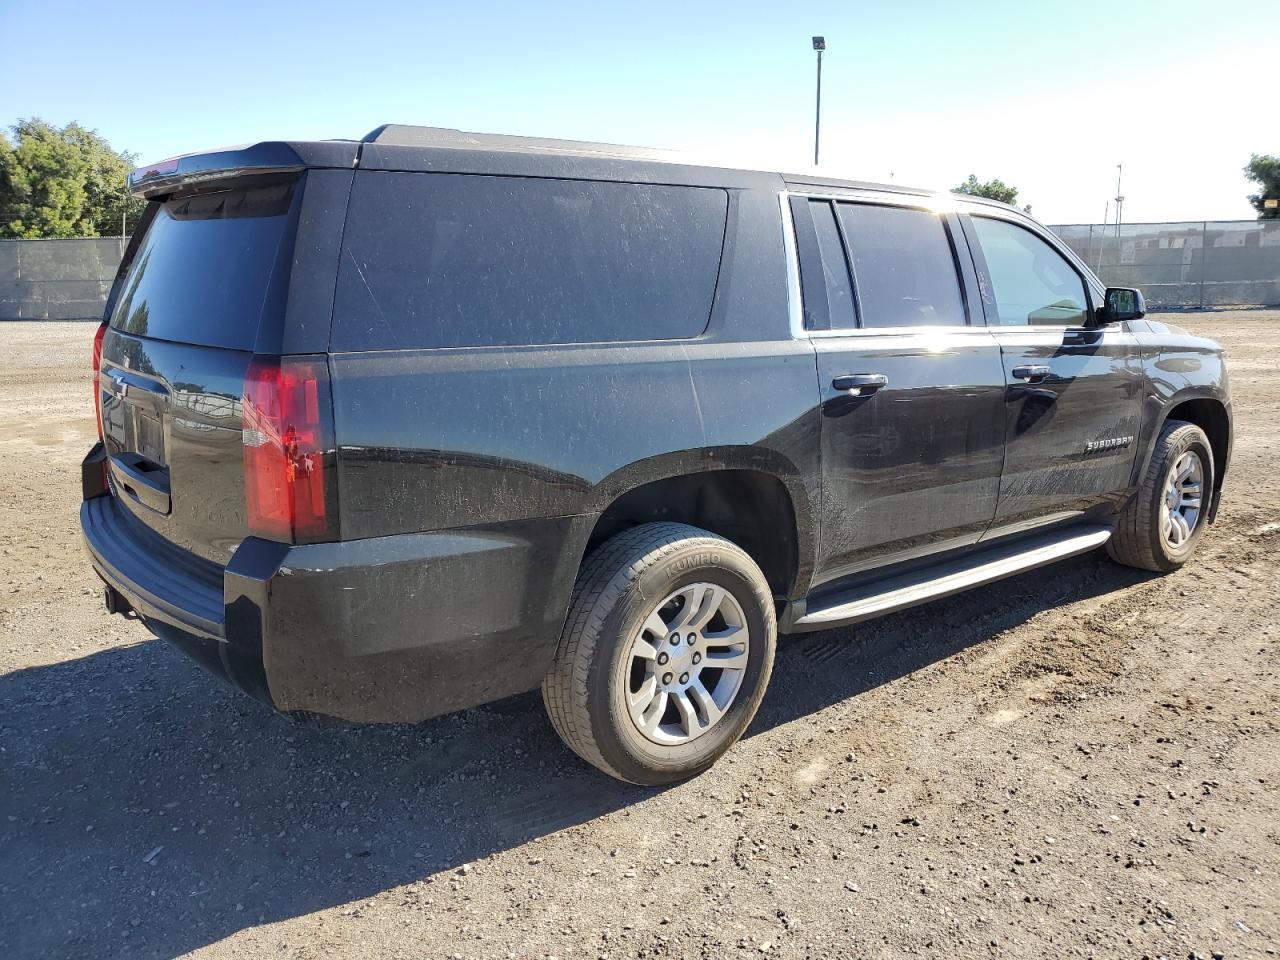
<point x="1265" y="172"/>
<point x="992" y="190"/>
<point x="64" y="182"/>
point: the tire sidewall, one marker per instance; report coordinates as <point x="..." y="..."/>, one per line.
<point x="623" y="746"/>
<point x="1187" y="437"/>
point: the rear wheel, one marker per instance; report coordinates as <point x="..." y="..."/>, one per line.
<point x="665" y="654"/>
<point x="1162" y="524"/>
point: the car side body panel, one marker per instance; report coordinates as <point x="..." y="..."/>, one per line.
<point x="1178" y="367"/>
<point x="526" y="449"/>
<point x="401" y="628"/>
<point x="1070" y="439"/>
<point x="439" y="439"/>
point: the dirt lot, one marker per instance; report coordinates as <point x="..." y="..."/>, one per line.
<point x="1081" y="761"/>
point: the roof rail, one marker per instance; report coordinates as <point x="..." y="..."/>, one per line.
<point x="404" y="135"/>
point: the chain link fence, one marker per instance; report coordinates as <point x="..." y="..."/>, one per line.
<point x="57" y="279"/>
<point x="1207" y="263"/>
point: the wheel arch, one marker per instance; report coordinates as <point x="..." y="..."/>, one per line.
<point x="1212" y="415"/>
<point x="755" y="498"/>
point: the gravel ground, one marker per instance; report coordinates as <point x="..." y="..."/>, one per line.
<point x="1080" y="761"/>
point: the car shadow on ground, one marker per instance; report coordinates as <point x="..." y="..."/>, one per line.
<point x="150" y="810"/>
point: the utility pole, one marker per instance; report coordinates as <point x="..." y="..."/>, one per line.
<point x="1119" y="209"/>
<point x="819" y="44"/>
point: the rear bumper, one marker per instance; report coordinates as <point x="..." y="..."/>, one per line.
<point x="389" y="629"/>
<point x="180" y="597"/>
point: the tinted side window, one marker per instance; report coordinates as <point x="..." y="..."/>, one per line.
<point x="1032" y="282"/>
<point x="450" y="260"/>
<point x="903" y="267"/>
<point x="835" y="268"/>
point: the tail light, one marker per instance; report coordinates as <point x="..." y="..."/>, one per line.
<point x="287" y="434"/>
<point x="97" y="367"/>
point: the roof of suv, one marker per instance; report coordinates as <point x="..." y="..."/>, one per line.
<point x="402" y="135"/>
<point x="418" y="142"/>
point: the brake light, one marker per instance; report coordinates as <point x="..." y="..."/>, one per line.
<point x="287" y="434"/>
<point x="151" y="170"/>
<point x="97" y="368"/>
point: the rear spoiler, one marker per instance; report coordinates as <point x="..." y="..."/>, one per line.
<point x="156" y="180"/>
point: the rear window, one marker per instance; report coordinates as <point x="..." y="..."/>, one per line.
<point x="210" y="267"/>
<point x="453" y="260"/>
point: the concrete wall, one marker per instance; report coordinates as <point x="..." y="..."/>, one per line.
<point x="57" y="279"/>
<point x="1203" y="263"/>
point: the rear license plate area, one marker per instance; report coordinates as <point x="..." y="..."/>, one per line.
<point x="149" y="440"/>
<point x="133" y="418"/>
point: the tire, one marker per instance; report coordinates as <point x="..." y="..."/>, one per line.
<point x="1140" y="539"/>
<point x="600" y="666"/>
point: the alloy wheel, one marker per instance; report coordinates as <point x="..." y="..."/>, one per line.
<point x="1183" y="496"/>
<point x="686" y="664"/>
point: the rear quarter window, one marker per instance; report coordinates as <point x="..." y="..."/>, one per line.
<point x="454" y="260"/>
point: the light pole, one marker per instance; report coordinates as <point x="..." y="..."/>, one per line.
<point x="1119" y="209"/>
<point x="819" y="44"/>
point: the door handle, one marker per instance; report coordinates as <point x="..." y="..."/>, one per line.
<point x="1031" y="372"/>
<point x="859" y="384"/>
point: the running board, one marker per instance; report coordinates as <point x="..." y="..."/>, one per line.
<point x="933" y="583"/>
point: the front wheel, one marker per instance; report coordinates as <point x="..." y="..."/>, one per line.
<point x="1160" y="527"/>
<point x="665" y="654"/>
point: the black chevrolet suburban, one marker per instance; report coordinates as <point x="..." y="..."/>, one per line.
<point x="394" y="427"/>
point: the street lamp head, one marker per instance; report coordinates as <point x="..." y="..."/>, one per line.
<point x="819" y="43"/>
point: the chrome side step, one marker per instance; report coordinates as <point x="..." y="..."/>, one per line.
<point x="921" y="586"/>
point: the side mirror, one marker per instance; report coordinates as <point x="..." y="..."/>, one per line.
<point x="1123" y="303"/>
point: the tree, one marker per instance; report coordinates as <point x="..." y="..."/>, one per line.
<point x="992" y="190"/>
<point x="1265" y="172"/>
<point x="65" y="182"/>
